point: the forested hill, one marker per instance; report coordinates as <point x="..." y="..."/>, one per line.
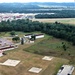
<point x="25" y="7"/>
<point x="16" y="7"/>
<point x="55" y="4"/>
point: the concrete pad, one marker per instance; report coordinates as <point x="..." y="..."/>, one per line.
<point x="47" y="58"/>
<point x="10" y="62"/>
<point x="35" y="70"/>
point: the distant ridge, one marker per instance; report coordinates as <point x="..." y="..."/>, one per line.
<point x="56" y="3"/>
<point x="27" y="7"/>
<point x="45" y="3"/>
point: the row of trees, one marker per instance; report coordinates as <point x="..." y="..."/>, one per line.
<point x="58" y="14"/>
<point x="58" y="30"/>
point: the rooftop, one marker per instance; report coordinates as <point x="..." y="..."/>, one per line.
<point x="66" y="70"/>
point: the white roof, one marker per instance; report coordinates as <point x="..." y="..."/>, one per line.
<point x="10" y="62"/>
<point x="47" y="58"/>
<point x="35" y="70"/>
<point x="65" y="70"/>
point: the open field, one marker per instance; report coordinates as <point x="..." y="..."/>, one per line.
<point x="28" y="60"/>
<point x="61" y="20"/>
<point x="53" y="46"/>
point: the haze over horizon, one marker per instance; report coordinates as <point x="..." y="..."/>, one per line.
<point x="25" y="1"/>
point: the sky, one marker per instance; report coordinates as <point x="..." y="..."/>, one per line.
<point x="7" y="1"/>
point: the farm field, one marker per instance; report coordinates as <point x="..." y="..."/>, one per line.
<point x="61" y="20"/>
<point x="29" y="60"/>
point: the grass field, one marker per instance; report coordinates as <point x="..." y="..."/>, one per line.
<point x="30" y="58"/>
<point x="53" y="46"/>
<point x="61" y="20"/>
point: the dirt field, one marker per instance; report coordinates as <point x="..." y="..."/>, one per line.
<point x="64" y="20"/>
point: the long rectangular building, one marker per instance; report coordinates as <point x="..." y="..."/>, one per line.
<point x="37" y="36"/>
<point x="66" y="70"/>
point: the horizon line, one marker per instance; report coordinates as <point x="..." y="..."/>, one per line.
<point x="37" y="2"/>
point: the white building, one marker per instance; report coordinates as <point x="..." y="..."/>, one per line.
<point x="66" y="70"/>
<point x="28" y="35"/>
<point x="36" y="35"/>
<point x="39" y="36"/>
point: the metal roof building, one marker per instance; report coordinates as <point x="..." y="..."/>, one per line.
<point x="66" y="70"/>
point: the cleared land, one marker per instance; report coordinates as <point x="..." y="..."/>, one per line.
<point x="29" y="60"/>
<point x="61" y="20"/>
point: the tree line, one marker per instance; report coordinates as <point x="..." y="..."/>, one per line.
<point x="58" y="30"/>
<point x="58" y="14"/>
